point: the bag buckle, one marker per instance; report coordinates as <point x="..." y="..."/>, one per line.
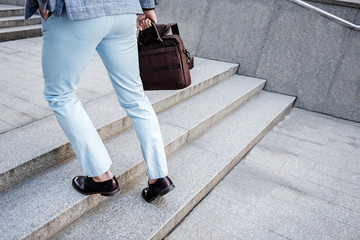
<point x="188" y="56"/>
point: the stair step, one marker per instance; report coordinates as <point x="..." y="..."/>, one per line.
<point x="17" y="21"/>
<point x="50" y="211"/>
<point x="10" y="10"/>
<point x="195" y="169"/>
<point x="20" y="32"/>
<point x="46" y="144"/>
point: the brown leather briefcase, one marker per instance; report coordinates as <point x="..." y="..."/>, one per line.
<point x="164" y="61"/>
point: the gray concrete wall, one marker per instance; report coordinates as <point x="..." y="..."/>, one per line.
<point x="298" y="52"/>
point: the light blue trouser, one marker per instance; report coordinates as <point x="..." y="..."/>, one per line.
<point x="67" y="48"/>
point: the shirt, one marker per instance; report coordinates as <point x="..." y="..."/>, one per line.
<point x="85" y="9"/>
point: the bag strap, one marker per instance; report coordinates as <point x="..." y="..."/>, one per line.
<point x="174" y="28"/>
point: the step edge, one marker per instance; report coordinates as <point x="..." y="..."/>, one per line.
<point x="12" y="12"/>
<point x="185" y="210"/>
<point x="20" y="28"/>
<point x="43" y="161"/>
<point x="12" y="23"/>
<point x="18" y="18"/>
<point x="21" y="34"/>
<point x="180" y="214"/>
<point x="211" y="121"/>
<point x="128" y="176"/>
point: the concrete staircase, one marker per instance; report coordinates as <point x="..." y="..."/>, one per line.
<point x="207" y="129"/>
<point x="14" y="26"/>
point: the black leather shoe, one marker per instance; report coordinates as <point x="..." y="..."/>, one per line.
<point x="86" y="185"/>
<point x="161" y="187"/>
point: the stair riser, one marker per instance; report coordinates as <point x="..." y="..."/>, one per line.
<point x="192" y="90"/>
<point x="201" y="128"/>
<point x="64" y="219"/>
<point x="20" y="34"/>
<point x="12" y="12"/>
<point x="36" y="165"/>
<point x="42" y="162"/>
<point x="19" y="23"/>
<point x="87" y="203"/>
<point x="181" y="214"/>
<point x="73" y="213"/>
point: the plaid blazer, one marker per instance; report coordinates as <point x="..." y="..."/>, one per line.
<point x="84" y="9"/>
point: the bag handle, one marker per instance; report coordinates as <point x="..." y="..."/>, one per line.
<point x="157" y="32"/>
<point x="154" y="29"/>
<point x="154" y="26"/>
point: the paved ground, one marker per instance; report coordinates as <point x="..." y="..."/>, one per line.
<point x="21" y="83"/>
<point x="302" y="181"/>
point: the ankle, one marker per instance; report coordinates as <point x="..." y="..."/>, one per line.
<point x="152" y="181"/>
<point x="104" y="177"/>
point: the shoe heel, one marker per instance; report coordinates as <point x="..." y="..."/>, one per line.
<point x="110" y="194"/>
<point x="167" y="190"/>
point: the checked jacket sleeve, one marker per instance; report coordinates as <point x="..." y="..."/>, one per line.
<point x="148" y="4"/>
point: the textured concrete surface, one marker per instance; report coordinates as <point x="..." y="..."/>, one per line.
<point x="16" y="21"/>
<point x="46" y="144"/>
<point x="14" y="26"/>
<point x="13" y="2"/>
<point x="194" y="170"/>
<point x="21" y="82"/>
<point x="8" y="6"/>
<point x="349" y="1"/>
<point x="343" y="98"/>
<point x="14" y="33"/>
<point x="127" y="162"/>
<point x="211" y="101"/>
<point x="279" y="192"/>
<point x="235" y="31"/>
<point x="231" y="130"/>
<point x="344" y="3"/>
<point x="191" y="20"/>
<point x="302" y="55"/>
<point x="297" y="51"/>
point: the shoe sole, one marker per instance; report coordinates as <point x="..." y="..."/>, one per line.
<point x="106" y="194"/>
<point x="110" y="194"/>
<point x="162" y="193"/>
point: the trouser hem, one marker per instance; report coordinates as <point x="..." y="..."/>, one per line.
<point x="158" y="174"/>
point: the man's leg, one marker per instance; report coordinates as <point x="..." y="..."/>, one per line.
<point x="118" y="51"/>
<point x="67" y="49"/>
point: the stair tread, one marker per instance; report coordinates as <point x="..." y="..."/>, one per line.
<point x="21" y="28"/>
<point x="9" y="7"/>
<point x="12" y="18"/>
<point x="44" y="203"/>
<point x="45" y="135"/>
<point x="11" y="10"/>
<point x="128" y="216"/>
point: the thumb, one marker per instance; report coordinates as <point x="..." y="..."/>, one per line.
<point x="151" y="14"/>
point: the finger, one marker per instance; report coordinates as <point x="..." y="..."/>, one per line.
<point x="139" y="20"/>
<point x="141" y="17"/>
<point x="148" y="23"/>
<point x="138" y="26"/>
<point x="143" y="25"/>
